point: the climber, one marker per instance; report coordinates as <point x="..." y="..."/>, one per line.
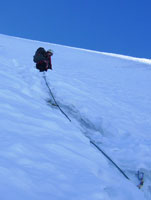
<point x="42" y="58"/>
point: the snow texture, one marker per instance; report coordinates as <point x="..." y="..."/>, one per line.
<point x="43" y="155"/>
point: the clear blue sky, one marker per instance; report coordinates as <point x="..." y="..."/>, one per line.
<point x="118" y="26"/>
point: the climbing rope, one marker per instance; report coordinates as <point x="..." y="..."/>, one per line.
<point x="110" y="160"/>
<point x="54" y="98"/>
<point x="139" y="174"/>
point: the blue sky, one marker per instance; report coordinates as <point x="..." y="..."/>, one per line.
<point x="117" y="26"/>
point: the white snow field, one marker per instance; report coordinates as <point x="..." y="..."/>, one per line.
<point x="43" y="155"/>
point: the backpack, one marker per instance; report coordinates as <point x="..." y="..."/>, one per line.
<point x="40" y="55"/>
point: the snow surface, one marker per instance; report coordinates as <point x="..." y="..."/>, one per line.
<point x="43" y="155"/>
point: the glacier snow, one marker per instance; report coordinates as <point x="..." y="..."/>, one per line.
<point x="44" y="156"/>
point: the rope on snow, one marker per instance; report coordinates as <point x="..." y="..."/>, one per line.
<point x="55" y="99"/>
<point x="139" y="174"/>
<point x="110" y="160"/>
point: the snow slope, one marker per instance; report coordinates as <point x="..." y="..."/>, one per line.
<point x="43" y="155"/>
